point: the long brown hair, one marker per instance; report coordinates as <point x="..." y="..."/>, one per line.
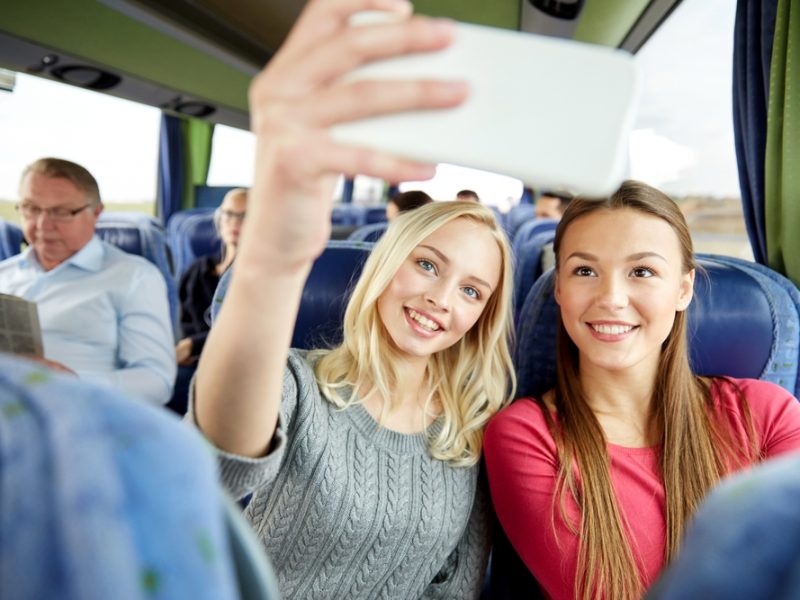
<point x="697" y="448"/>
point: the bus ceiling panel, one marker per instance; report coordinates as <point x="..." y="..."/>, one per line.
<point x="623" y="24"/>
<point x="93" y="33"/>
<point x="27" y="57"/>
<point x="649" y="21"/>
<point x="494" y="13"/>
<point x="241" y="33"/>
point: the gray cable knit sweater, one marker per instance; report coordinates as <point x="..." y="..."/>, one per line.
<point x="347" y="509"/>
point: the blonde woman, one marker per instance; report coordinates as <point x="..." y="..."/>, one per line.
<point x="595" y="481"/>
<point x="362" y="460"/>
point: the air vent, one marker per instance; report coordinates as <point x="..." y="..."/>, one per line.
<point x="567" y="11"/>
<point x="550" y="17"/>
<point x="87" y="77"/>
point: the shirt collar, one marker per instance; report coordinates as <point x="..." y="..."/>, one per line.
<point x="88" y="258"/>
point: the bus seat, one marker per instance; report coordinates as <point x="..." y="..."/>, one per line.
<point x="191" y="234"/>
<point x="325" y="296"/>
<point x="529" y="266"/>
<point x="107" y="498"/>
<point x="147" y="241"/>
<point x="348" y="214"/>
<point x="375" y="214"/>
<point x="517" y="216"/>
<point x="743" y="322"/>
<point x="11" y="239"/>
<point x="530" y="228"/>
<point x="369" y="233"/>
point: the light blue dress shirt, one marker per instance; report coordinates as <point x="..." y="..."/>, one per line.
<point x="104" y="313"/>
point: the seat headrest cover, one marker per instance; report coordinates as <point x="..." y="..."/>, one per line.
<point x="103" y="497"/>
<point x="325" y="295"/>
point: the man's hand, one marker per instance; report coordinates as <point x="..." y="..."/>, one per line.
<point x="183" y="352"/>
<point x="51" y="364"/>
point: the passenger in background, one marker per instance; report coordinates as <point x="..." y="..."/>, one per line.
<point x="104" y="314"/>
<point x="551" y="205"/>
<point x="201" y="278"/>
<point x="363" y="460"/>
<point x="404" y="201"/>
<point x="595" y="482"/>
<point x="467" y="196"/>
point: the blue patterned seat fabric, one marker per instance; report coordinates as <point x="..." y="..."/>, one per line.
<point x="191" y="234"/>
<point x="744" y="542"/>
<point x="528" y="266"/>
<point x="104" y="497"/>
<point x="325" y="296"/>
<point x="368" y="233"/>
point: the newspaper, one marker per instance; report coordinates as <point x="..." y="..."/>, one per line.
<point x="19" y="326"/>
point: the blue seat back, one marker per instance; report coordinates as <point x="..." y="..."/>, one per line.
<point x="104" y="497"/>
<point x="517" y="216"/>
<point x="191" y="234"/>
<point x="11" y="239"/>
<point x="529" y="229"/>
<point x="348" y="214"/>
<point x="743" y="322"/>
<point x="325" y="295"/>
<point x="375" y="214"/>
<point x="529" y="266"/>
<point x="145" y="239"/>
<point x="369" y="233"/>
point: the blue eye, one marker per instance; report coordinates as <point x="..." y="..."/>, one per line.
<point x="642" y="272"/>
<point x="583" y="271"/>
<point x="472" y="292"/>
<point x="426" y="265"/>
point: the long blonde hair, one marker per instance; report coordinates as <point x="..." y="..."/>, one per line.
<point x="472" y="379"/>
<point x="697" y="447"/>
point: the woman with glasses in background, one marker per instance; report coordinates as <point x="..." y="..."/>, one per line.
<point x="201" y="278"/>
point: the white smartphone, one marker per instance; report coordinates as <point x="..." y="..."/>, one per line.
<point x="554" y="113"/>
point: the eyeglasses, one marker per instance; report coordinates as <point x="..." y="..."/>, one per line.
<point x="230" y="215"/>
<point x="59" y="214"/>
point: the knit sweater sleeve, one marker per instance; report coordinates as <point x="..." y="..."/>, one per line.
<point x="462" y="574"/>
<point x="242" y="475"/>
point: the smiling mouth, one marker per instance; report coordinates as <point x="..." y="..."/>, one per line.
<point x="423" y="321"/>
<point x="611" y="329"/>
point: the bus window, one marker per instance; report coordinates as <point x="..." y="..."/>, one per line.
<point x="232" y="156"/>
<point x="683" y="138"/>
<point x="493" y="189"/>
<point x="116" y="139"/>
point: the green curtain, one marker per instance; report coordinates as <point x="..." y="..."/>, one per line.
<point x="782" y="160"/>
<point x="197" y="137"/>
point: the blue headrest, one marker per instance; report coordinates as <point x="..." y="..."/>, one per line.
<point x="104" y="497"/>
<point x="145" y="238"/>
<point x="529" y="229"/>
<point x="375" y="214"/>
<point x="191" y="234"/>
<point x="325" y="295"/>
<point x="528" y="266"/>
<point x="369" y="233"/>
<point x="10" y="239"/>
<point x="517" y="216"/>
<point x="124" y="237"/>
<point x="743" y="322"/>
<point x="348" y="214"/>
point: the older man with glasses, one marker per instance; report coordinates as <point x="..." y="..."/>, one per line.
<point x="104" y="314"/>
